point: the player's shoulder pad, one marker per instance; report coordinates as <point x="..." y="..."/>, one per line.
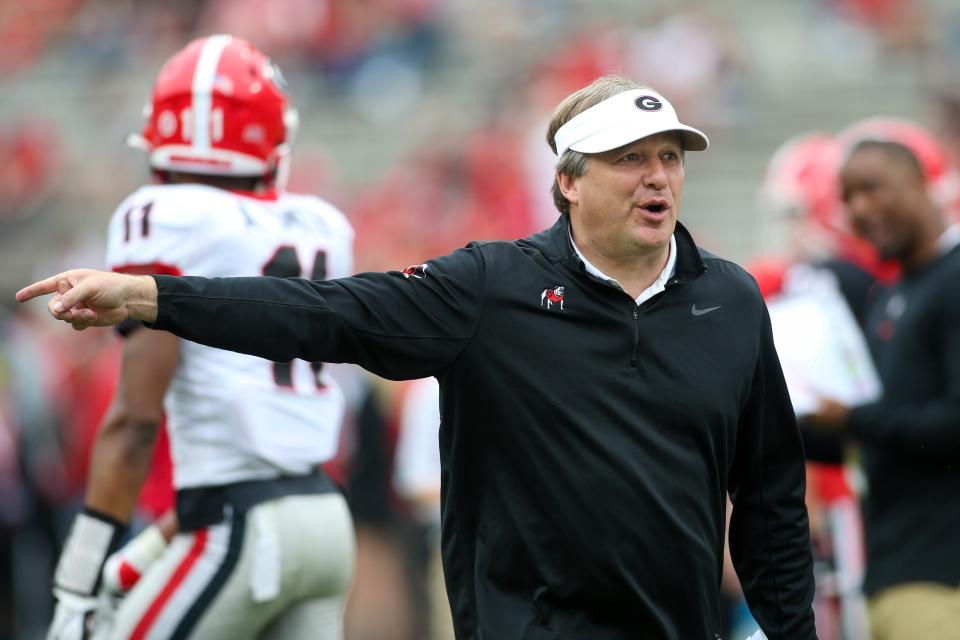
<point x="176" y="206"/>
<point x="321" y="211"/>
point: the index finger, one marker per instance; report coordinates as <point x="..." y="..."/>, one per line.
<point x="40" y="288"/>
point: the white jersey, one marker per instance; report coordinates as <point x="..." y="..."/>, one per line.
<point x="417" y="463"/>
<point x="234" y="417"/>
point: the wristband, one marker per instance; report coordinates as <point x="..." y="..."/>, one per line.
<point x="92" y="537"/>
<point x="127" y="327"/>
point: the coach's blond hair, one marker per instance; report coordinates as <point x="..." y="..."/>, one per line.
<point x="573" y="163"/>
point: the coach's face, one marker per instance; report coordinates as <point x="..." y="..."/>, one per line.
<point x="626" y="203"/>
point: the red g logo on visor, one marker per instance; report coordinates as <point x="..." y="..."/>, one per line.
<point x="648" y="103"/>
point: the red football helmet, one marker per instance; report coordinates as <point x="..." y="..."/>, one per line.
<point x="800" y="180"/>
<point x="943" y="179"/>
<point x="219" y="107"/>
<point x="801" y="186"/>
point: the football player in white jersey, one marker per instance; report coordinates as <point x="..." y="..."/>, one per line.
<point x="264" y="545"/>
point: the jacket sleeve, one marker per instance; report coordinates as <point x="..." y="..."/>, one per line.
<point x="930" y="429"/>
<point x="396" y="325"/>
<point x="820" y="445"/>
<point x="769" y="532"/>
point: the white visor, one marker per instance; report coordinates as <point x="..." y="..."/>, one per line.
<point x="622" y="119"/>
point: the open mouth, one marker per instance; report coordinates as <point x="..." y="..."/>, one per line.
<point x="655" y="206"/>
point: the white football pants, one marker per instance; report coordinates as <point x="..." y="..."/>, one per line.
<point x="280" y="572"/>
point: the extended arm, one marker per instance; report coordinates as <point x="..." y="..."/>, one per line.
<point x="769" y="532"/>
<point x="395" y="326"/>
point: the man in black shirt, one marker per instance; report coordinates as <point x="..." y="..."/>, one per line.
<point x="604" y="385"/>
<point x="910" y="438"/>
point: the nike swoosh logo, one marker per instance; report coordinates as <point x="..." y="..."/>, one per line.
<point x="700" y="312"/>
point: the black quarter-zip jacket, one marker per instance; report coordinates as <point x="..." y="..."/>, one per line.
<point x="909" y="439"/>
<point x="587" y="444"/>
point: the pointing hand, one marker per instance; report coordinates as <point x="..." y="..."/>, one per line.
<point x="85" y="298"/>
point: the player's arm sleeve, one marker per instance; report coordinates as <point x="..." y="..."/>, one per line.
<point x="396" y="326"/>
<point x="925" y="430"/>
<point x="769" y="532"/>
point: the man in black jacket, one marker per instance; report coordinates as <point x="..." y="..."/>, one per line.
<point x="909" y="439"/>
<point x="604" y="385"/>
